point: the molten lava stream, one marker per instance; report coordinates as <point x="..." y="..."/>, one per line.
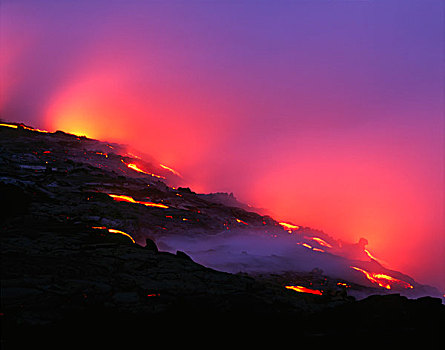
<point x="383" y="280"/>
<point x="13" y="126"/>
<point x="321" y="242"/>
<point x="124" y="198"/>
<point x="241" y="222"/>
<point x="9" y="126"/>
<point x="139" y="170"/>
<point x="112" y="230"/>
<point x="173" y="171"/>
<point x="302" y="289"/>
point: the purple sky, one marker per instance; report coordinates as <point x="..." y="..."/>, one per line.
<point x="328" y="113"/>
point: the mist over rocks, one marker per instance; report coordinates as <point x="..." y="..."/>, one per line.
<point x="86" y="239"/>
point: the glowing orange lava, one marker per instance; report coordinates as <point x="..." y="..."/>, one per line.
<point x="372" y="257"/>
<point x="321" y="242"/>
<point x="102" y="154"/>
<point x="124" y="198"/>
<point x="343" y="285"/>
<point x="318" y="250"/>
<point x="112" y="230"/>
<point x="383" y="280"/>
<point x="305" y="245"/>
<point x="136" y="168"/>
<point x="13" y="126"/>
<point x="170" y="169"/>
<point x="289" y="227"/>
<point x="36" y="130"/>
<point x="10" y="126"/>
<point x="241" y="222"/>
<point x="302" y="289"/>
<point x="311" y="247"/>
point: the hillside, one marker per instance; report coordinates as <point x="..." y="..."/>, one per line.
<point x="91" y="230"/>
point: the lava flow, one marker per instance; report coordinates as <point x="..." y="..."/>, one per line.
<point x="14" y="126"/>
<point x="321" y="242"/>
<point x="112" y="230"/>
<point x="311" y="247"/>
<point x="173" y="171"/>
<point x="139" y="170"/>
<point x="289" y="227"/>
<point x="383" y="280"/>
<point x="241" y="222"/>
<point x="302" y="289"/>
<point x="124" y="198"/>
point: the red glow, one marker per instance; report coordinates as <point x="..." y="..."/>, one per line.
<point x="302" y="289"/>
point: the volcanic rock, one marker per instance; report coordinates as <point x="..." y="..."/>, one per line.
<point x="69" y="261"/>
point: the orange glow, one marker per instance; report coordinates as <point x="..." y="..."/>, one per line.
<point x="321" y="242"/>
<point x="302" y="289"/>
<point x="241" y="222"/>
<point x="91" y="105"/>
<point x="383" y="280"/>
<point x="111" y="230"/>
<point x="124" y="198"/>
<point x="170" y="169"/>
<point x="136" y="168"/>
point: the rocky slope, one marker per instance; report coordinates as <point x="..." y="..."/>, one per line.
<point x="93" y="235"/>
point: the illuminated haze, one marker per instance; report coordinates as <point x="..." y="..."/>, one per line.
<point x="328" y="114"/>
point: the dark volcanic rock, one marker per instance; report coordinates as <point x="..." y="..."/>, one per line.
<point x="149" y="244"/>
<point x="65" y="272"/>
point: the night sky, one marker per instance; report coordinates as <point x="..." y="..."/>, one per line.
<point x="330" y="114"/>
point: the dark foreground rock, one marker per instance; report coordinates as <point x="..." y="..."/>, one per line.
<point x="60" y="279"/>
